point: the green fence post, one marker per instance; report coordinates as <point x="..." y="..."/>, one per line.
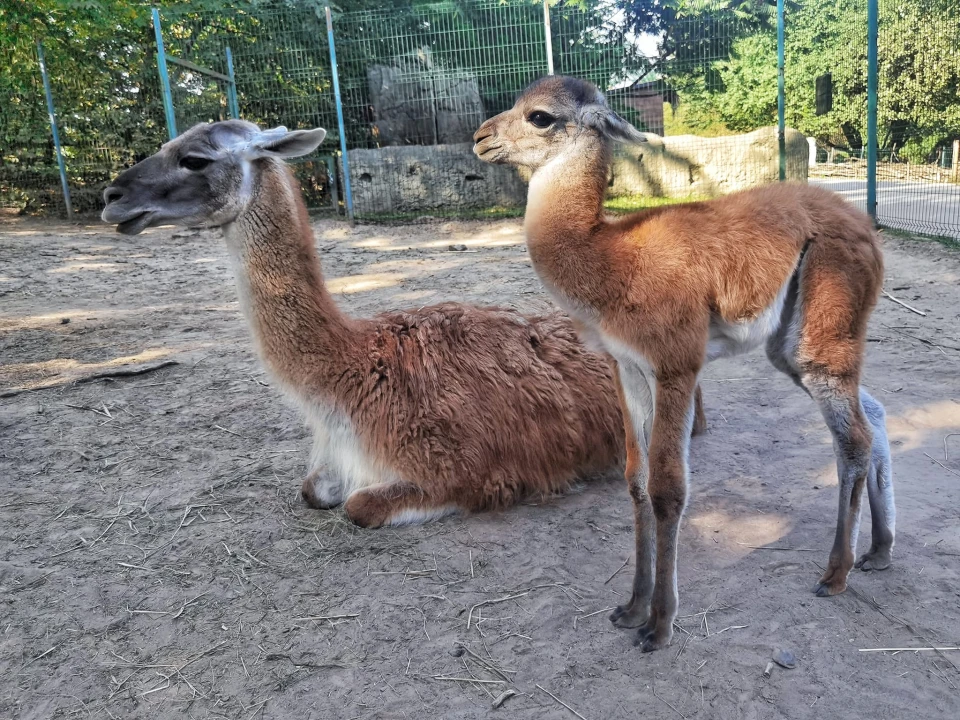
<point x="347" y="193"/>
<point x="232" y="87"/>
<point x="549" y="36"/>
<point x="51" y="111"/>
<point x="872" y="33"/>
<point x="781" y="94"/>
<point x="164" y="77"/>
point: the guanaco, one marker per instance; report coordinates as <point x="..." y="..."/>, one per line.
<point x="415" y="414"/>
<point x="665" y="290"/>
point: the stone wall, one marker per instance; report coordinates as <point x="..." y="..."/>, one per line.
<point x="414" y="178"/>
<point x="414" y="102"/>
<point x="421" y="178"/>
<point x="684" y="165"/>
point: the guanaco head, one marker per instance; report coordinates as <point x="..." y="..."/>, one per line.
<point x="203" y="177"/>
<point x="548" y="118"/>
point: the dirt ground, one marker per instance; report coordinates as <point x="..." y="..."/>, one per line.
<point x="156" y="561"/>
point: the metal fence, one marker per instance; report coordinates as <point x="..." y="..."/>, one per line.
<point x="416" y="81"/>
<point x="917" y="172"/>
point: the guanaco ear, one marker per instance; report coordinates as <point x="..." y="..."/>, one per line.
<point x="604" y="120"/>
<point x="282" y="143"/>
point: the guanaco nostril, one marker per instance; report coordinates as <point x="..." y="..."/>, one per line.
<point x="482" y="134"/>
<point x="111" y="194"/>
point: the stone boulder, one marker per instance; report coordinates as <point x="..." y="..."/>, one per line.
<point x="414" y="102"/>
<point x="430" y="177"/>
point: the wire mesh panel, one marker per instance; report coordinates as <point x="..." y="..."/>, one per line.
<point x="705" y="80"/>
<point x="427" y="77"/>
<point x="826" y="74"/>
<point x="108" y="124"/>
<point x="918" y="173"/>
<point x="416" y="84"/>
<point x="282" y="72"/>
<point x="104" y="84"/>
<point x="29" y="179"/>
<point x="419" y="78"/>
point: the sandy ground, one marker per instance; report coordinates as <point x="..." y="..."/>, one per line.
<point x="156" y="561"/>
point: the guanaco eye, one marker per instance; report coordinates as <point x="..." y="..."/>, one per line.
<point x="540" y="119"/>
<point x="194" y="162"/>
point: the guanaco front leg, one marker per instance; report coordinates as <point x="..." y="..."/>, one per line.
<point x="398" y="504"/>
<point x="668" y="495"/>
<point x="636" y="400"/>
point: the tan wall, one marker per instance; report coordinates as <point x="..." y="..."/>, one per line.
<point x="683" y="165"/>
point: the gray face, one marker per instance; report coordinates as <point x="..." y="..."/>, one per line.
<point x="204" y="177"/>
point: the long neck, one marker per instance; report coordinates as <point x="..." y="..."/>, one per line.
<point x="563" y="220"/>
<point x="300" y="333"/>
<point x="565" y="197"/>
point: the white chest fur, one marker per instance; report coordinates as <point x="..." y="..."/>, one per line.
<point x="343" y="465"/>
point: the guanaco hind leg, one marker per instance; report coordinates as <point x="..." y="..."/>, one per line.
<point x="822" y="350"/>
<point x="880" y="490"/>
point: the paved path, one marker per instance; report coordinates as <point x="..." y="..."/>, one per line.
<point x="924" y="207"/>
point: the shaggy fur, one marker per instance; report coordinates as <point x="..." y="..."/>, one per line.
<point x="416" y="414"/>
<point x="788" y="266"/>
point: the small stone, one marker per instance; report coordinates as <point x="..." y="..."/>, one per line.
<point x="457" y="248"/>
<point x="456" y="651"/>
<point x="64" y="321"/>
<point x="816" y="487"/>
<point x="785" y="659"/>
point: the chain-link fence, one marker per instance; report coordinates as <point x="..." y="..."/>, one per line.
<point x="918" y="107"/>
<point x="417" y="79"/>
<point x="418" y="84"/>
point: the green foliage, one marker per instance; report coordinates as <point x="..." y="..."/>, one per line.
<point x="919" y="74"/>
<point x="631" y="203"/>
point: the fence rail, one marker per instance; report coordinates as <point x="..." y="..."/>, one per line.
<point x="417" y="79"/>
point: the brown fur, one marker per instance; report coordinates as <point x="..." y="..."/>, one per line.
<point x="470" y="407"/>
<point x="448" y="407"/>
<point x="656" y="282"/>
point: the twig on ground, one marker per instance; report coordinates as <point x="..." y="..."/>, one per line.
<point x="949" y="470"/>
<point x="487" y="663"/>
<point x="901" y="302"/>
<point x="469" y="680"/>
<point x="584" y="617"/>
<point x="618" y="571"/>
<point x="939" y="346"/>
<point x="561" y="702"/>
<point x="218" y="427"/>
<point x="731" y="627"/>
<point x="669" y="705"/>
<point x="325" y="617"/>
<point x="909" y="649"/>
<point x="41" y="655"/>
<point x="505" y="599"/>
<point x="777" y="547"/>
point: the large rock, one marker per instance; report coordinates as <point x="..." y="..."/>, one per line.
<point x="683" y="165"/>
<point x="415" y="102"/>
<point x="423" y="178"/>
